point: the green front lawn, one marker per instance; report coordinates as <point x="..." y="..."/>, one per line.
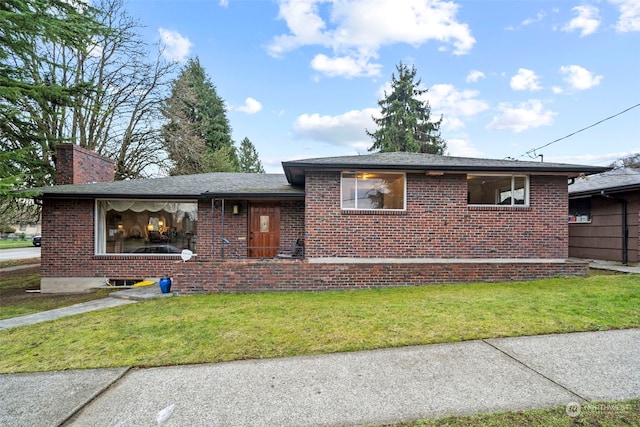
<point x="214" y="328"/>
<point x="600" y="414"/>
<point x="17" y="243"/>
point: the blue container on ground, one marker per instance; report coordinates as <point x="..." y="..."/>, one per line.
<point x="165" y="284"/>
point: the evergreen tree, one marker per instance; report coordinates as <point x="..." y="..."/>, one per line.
<point x="405" y="123"/>
<point x="26" y="27"/>
<point x="248" y="157"/>
<point x="197" y="136"/>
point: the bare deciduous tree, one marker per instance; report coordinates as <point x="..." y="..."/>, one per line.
<point x="119" y="116"/>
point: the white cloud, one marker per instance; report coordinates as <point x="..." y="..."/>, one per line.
<point x="579" y="78"/>
<point x="453" y="104"/>
<point x="462" y="148"/>
<point x="177" y="46"/>
<point x="539" y="17"/>
<point x="474" y="76"/>
<point x="629" y="15"/>
<point x="345" y="66"/>
<point x="251" y="106"/>
<point x="587" y="21"/>
<point x="358" y="29"/>
<point x="530" y="114"/>
<point x="95" y="50"/>
<point x="449" y="122"/>
<point x="223" y="3"/>
<point x="447" y="100"/>
<point x="525" y="80"/>
<point x="346" y="129"/>
<point x="592" y="159"/>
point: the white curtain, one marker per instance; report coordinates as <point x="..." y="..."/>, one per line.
<point x="101" y="227"/>
<point x="149" y="206"/>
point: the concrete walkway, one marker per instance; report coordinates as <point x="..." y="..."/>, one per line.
<point x="57" y="313"/>
<point x="127" y="296"/>
<point x="631" y="268"/>
<point x="345" y="389"/>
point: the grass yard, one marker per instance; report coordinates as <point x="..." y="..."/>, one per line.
<point x="15" y="243"/>
<point x="223" y="327"/>
<point x="16" y="301"/>
<point x="601" y="414"/>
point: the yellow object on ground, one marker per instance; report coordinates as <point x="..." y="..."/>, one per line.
<point x="145" y="283"/>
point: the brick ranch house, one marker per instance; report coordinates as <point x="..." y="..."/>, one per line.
<point x="383" y="219"/>
<point x="604" y="216"/>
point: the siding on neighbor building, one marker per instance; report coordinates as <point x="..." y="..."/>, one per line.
<point x="601" y="237"/>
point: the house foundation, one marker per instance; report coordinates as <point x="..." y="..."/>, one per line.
<point x="309" y="275"/>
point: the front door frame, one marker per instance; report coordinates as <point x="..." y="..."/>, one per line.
<point x="263" y="229"/>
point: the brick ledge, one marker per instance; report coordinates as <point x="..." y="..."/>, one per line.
<point x="329" y="260"/>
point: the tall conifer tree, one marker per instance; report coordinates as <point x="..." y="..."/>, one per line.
<point x="197" y="136"/>
<point x="248" y="157"/>
<point x="405" y="123"/>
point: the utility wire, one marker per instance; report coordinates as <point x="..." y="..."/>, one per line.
<point x="532" y="153"/>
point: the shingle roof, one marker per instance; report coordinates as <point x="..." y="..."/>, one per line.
<point x="622" y="179"/>
<point x="290" y="185"/>
<point x="294" y="170"/>
<point x="183" y="187"/>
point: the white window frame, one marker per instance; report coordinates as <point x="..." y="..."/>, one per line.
<point x="360" y="172"/>
<point x="513" y="179"/>
<point x="100" y="229"/>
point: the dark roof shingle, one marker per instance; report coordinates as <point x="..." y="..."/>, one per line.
<point x="218" y="184"/>
<point x="291" y="184"/>
<point x="294" y="170"/>
<point x="621" y="179"/>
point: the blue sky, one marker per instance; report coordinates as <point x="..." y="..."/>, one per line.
<point x="301" y="78"/>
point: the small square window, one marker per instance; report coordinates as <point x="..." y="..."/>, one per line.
<point x="580" y="210"/>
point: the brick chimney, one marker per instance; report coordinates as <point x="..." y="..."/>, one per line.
<point x="77" y="165"/>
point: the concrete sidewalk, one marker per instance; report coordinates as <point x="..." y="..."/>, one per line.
<point x="123" y="297"/>
<point x="359" y="388"/>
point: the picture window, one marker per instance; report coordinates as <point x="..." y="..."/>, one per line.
<point x="373" y="191"/>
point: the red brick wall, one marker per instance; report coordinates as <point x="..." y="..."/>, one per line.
<point x="235" y="227"/>
<point x="438" y="222"/>
<point x="68" y="246"/>
<point x="77" y="165"/>
<point x="252" y="275"/>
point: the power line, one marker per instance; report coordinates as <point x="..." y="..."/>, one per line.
<point x="533" y="150"/>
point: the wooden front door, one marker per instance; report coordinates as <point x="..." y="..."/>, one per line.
<point x="264" y="230"/>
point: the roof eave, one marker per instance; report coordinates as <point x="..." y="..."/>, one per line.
<point x="254" y="195"/>
<point x="598" y="191"/>
<point x="295" y="171"/>
<point x="145" y="196"/>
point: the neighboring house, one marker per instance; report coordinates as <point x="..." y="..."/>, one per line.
<point x="28" y="229"/>
<point x="384" y="219"/>
<point x="604" y="215"/>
